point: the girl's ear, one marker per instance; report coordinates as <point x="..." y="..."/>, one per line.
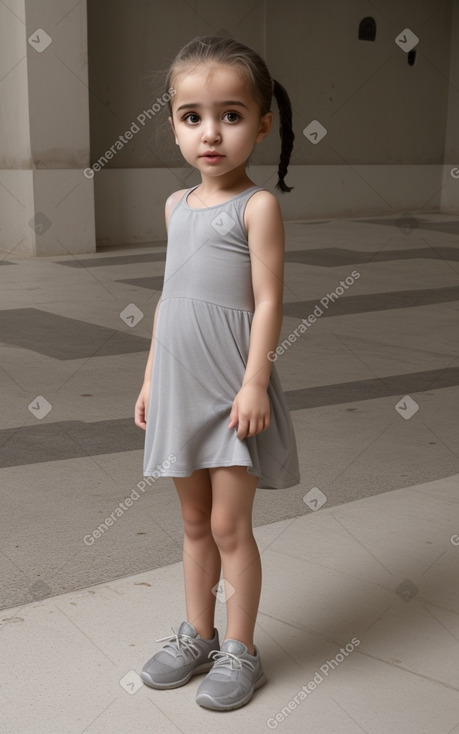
<point x="265" y="126"/>
<point x="173" y="128"/>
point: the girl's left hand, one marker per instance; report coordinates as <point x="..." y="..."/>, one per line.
<point x="250" y="411"/>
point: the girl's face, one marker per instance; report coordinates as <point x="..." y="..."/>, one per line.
<point x="216" y="120"/>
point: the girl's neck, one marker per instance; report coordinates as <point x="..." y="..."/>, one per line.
<point x="225" y="186"/>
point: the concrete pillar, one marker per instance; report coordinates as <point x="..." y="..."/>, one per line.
<point x="46" y="203"/>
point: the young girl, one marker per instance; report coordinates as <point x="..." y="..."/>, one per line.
<point x="211" y="404"/>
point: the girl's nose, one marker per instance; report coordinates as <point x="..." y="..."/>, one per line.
<point x="211" y="133"/>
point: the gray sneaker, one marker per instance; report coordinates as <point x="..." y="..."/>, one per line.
<point x="184" y="654"/>
<point x="233" y="679"/>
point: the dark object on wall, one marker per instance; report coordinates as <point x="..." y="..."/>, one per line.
<point x="367" y="29"/>
<point x="411" y="57"/>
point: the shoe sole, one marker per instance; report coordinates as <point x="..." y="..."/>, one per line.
<point x="204" y="668"/>
<point x="209" y="703"/>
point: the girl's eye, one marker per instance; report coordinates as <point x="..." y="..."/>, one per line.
<point x="192" y="118"/>
<point x="232" y="116"/>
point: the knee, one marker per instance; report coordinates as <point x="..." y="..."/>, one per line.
<point x="227" y="532"/>
<point x="196" y="523"/>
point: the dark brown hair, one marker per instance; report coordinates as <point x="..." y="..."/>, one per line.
<point x="228" y="51"/>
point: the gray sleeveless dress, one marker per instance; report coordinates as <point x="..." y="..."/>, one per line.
<point x="200" y="354"/>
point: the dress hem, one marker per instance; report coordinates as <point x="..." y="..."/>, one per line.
<point x="265" y="482"/>
<point x="207" y="466"/>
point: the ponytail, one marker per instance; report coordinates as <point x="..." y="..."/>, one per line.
<point x="286" y="133"/>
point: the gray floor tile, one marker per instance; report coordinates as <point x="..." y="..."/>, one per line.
<point x="379" y="387"/>
<point x="153" y="283"/>
<point x="412" y="222"/>
<point x="103" y="262"/>
<point x="331" y="257"/>
<point x="375" y="302"/>
<point x="67" y="440"/>
<point x="62" y="338"/>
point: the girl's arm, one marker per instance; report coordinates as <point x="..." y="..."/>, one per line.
<point x="263" y="218"/>
<point x="141" y="406"/>
<point x="149" y="366"/>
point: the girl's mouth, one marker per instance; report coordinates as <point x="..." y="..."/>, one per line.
<point x="212" y="157"/>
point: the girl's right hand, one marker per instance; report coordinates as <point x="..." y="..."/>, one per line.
<point x="141" y="406"/>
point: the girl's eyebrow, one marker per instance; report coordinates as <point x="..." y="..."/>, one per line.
<point x="195" y="105"/>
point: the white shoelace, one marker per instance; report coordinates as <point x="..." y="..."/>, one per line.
<point x="179" y="641"/>
<point x="235" y="663"/>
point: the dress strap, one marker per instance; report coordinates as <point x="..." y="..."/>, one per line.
<point x="253" y="190"/>
<point x="187" y="192"/>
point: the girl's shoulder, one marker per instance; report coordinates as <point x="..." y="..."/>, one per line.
<point x="262" y="204"/>
<point x="171" y="203"/>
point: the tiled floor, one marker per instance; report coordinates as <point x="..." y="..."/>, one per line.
<point x="373" y="391"/>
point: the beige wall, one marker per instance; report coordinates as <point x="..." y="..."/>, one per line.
<point x="392" y="138"/>
<point x="386" y="121"/>
<point x="377" y="109"/>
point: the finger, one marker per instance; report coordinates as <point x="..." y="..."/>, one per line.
<point x="262" y="425"/>
<point x="256" y="427"/>
<point x="243" y="428"/>
<point x="233" y="417"/>
<point x="250" y="428"/>
<point x="139" y="417"/>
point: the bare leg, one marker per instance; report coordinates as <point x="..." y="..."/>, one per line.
<point x="201" y="558"/>
<point x="233" y="492"/>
